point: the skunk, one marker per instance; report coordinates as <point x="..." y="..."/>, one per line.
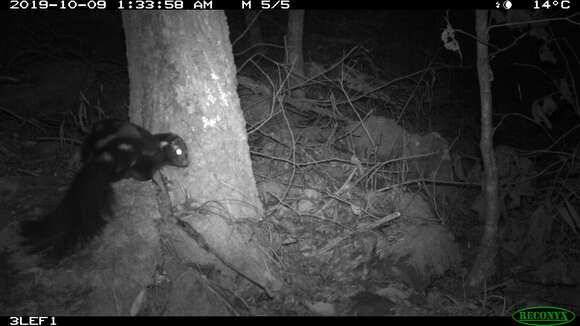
<point x="114" y="150"/>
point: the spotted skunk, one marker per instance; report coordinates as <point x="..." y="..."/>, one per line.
<point x="114" y="150"/>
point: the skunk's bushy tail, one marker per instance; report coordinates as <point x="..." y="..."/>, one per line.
<point x="114" y="150"/>
<point x="80" y="216"/>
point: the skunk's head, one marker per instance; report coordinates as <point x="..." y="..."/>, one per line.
<point x="174" y="150"/>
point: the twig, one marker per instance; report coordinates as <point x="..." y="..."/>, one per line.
<point x="537" y="21"/>
<point x="247" y="27"/>
<point x="361" y="228"/>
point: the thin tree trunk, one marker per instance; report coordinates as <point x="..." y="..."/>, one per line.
<point x="295" y="57"/>
<point x="484" y="265"/>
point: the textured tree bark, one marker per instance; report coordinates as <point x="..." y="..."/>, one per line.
<point x="484" y="265"/>
<point x="183" y="80"/>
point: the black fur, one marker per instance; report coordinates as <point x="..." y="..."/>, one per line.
<point x="114" y="150"/>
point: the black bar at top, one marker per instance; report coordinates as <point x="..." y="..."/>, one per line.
<point x="28" y="5"/>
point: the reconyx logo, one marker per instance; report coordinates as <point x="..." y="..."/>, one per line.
<point x="543" y="316"/>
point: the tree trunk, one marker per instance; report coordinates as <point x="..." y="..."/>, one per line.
<point x="484" y="265"/>
<point x="182" y="80"/>
<point x="295" y="58"/>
